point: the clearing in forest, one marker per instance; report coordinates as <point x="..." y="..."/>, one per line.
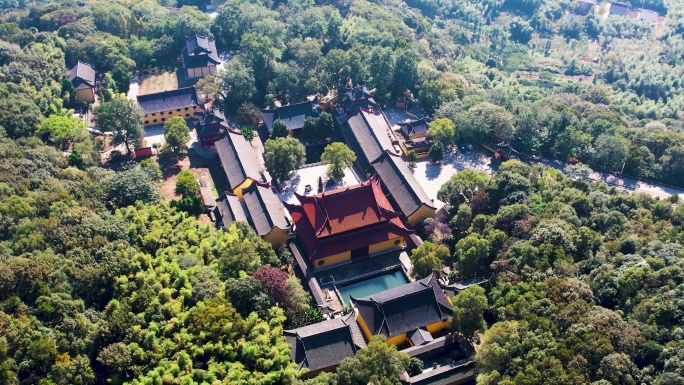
<point x="157" y="83"/>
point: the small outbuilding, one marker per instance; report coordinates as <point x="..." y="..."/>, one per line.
<point x="82" y="77"/>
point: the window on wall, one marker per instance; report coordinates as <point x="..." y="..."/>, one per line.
<point x="154" y="121"/>
<point x="187" y="115"/>
<point x="398" y="241"/>
<point x="154" y="114"/>
<point x="178" y="110"/>
<point x="163" y="119"/>
<point x="321" y="263"/>
<point x="147" y="122"/>
<point x="186" y="108"/>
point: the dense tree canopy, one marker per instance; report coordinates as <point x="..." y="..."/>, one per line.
<point x="122" y="117"/>
<point x="339" y="157"/>
<point x="102" y="281"/>
<point x="282" y="155"/>
<point x="176" y="134"/>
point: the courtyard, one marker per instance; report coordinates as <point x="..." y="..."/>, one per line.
<point x="304" y="181"/>
<point x="432" y="176"/>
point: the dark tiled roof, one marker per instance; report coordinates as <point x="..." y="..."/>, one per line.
<point x="209" y="122"/>
<point x="229" y="209"/>
<point x="324" y="344"/>
<point x="398" y="180"/>
<point x="238" y="159"/>
<point x="345" y="219"/>
<point x="370" y="130"/>
<point x="420" y="336"/>
<point x="169" y="100"/>
<point x="619" y="8"/>
<point x="293" y="115"/>
<point x="264" y="209"/>
<point x="354" y="98"/>
<point x="199" y="51"/>
<point x="207" y="196"/>
<point x="82" y="75"/>
<point x="446" y="375"/>
<point x="648" y="15"/>
<point x="413" y="127"/>
<point x="312" y="282"/>
<point x="405" y="308"/>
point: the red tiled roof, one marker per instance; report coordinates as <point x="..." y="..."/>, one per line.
<point x="345" y="219"/>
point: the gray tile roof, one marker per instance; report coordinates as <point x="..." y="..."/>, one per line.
<point x="405" y="308"/>
<point x="169" y="100"/>
<point x="229" y="209"/>
<point x="370" y="131"/>
<point x="82" y="75"/>
<point x="307" y="272"/>
<point x="648" y="15"/>
<point x="618" y="8"/>
<point x="207" y="196"/>
<point x="399" y="181"/>
<point x="354" y="98"/>
<point x="210" y="122"/>
<point x="324" y="344"/>
<point x="413" y="127"/>
<point x="293" y="115"/>
<point x="238" y="159"/>
<point x="199" y="51"/>
<point x="420" y="336"/>
<point x="264" y="209"/>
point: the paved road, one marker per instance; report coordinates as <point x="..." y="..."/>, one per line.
<point x="624" y="182"/>
<point x="431" y="177"/>
<point x="134" y="88"/>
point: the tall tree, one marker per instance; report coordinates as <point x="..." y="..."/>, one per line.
<point x="377" y="363"/>
<point x="428" y="258"/>
<point x="131" y="186"/>
<point x="381" y="68"/>
<point x="325" y="125"/>
<point x="469" y="307"/>
<point x="176" y="134"/>
<point x="237" y="82"/>
<point x="472" y="253"/>
<point x="405" y="72"/>
<point x="61" y="128"/>
<point x="279" y="129"/>
<point x="462" y="186"/>
<point x="123" y="118"/>
<point x="442" y="130"/>
<point x="262" y="53"/>
<point x="488" y="121"/>
<point x="339" y="157"/>
<point x="437" y="151"/>
<point x="19" y="115"/>
<point x="209" y="86"/>
<point x="282" y="155"/>
<point x="186" y="184"/>
<point x="610" y="152"/>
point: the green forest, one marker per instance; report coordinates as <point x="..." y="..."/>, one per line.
<point x="103" y="281"/>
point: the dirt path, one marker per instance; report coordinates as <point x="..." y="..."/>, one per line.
<point x="134" y="88"/>
<point x="171" y="166"/>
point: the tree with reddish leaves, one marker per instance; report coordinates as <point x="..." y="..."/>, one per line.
<point x="274" y="281"/>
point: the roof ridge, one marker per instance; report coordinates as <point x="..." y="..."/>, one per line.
<point x="237" y="155"/>
<point x="375" y="183"/>
<point x="384" y="319"/>
<point x="262" y="203"/>
<point x="321" y="206"/>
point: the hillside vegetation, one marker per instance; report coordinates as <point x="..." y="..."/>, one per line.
<point x="102" y="281"/>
